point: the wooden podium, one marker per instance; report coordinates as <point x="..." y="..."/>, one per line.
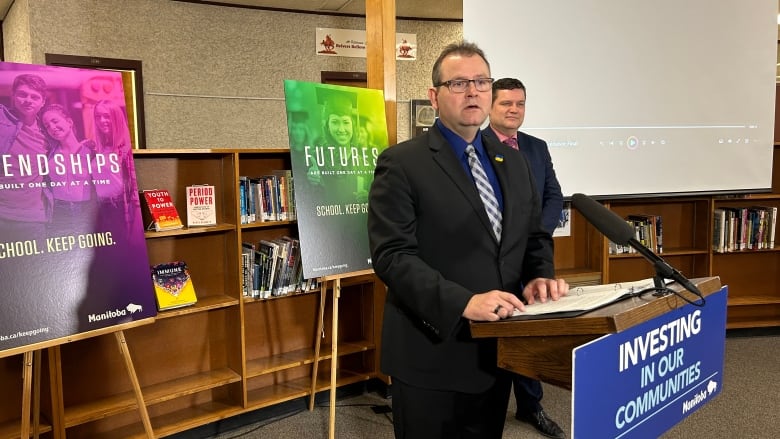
<point x="542" y="348"/>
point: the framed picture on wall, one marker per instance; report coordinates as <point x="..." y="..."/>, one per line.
<point x="423" y="116"/>
<point x="132" y="83"/>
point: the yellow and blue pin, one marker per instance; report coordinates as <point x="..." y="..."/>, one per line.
<point x="499" y="158"/>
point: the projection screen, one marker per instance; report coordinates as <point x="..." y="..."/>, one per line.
<point x="641" y="98"/>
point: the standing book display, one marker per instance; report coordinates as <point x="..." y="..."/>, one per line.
<point x="74" y="262"/>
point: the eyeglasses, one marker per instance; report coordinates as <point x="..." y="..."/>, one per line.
<point x="461" y="85"/>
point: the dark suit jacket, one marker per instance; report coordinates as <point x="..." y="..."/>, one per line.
<point x="432" y="245"/>
<point x="538" y="155"/>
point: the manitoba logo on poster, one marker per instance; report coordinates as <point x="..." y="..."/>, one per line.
<point x="72" y="250"/>
<point x="336" y="134"/>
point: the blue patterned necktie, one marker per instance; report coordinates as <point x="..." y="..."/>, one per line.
<point x="485" y="191"/>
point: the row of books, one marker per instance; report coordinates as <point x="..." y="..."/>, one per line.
<point x="648" y="230"/>
<point x="743" y="228"/>
<point x="267" y="197"/>
<point x="273" y="268"/>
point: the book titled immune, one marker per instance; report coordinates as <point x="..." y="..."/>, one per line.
<point x="173" y="285"/>
<point x="160" y="211"/>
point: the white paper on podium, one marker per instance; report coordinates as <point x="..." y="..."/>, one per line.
<point x="587" y="298"/>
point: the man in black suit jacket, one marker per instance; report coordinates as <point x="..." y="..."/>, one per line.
<point x="507" y="113"/>
<point x="433" y="245"/>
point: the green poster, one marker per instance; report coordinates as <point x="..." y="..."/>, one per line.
<point x="336" y="133"/>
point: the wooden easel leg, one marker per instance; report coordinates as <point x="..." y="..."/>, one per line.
<point x="120" y="338"/>
<point x="27" y="378"/>
<point x="334" y="357"/>
<point x="318" y="344"/>
<point x="57" y="398"/>
<point x="36" y="406"/>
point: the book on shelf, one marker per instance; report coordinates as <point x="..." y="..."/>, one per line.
<point x="719" y="230"/>
<point x="243" y="187"/>
<point x="772" y="225"/>
<point x="649" y="230"/>
<point x="279" y="287"/>
<point x="248" y="269"/>
<point x="173" y="286"/>
<point x="201" y="205"/>
<point x="159" y="211"/>
<point x="266" y="255"/>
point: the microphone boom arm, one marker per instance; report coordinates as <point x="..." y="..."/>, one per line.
<point x="663" y="269"/>
<point x="616" y="230"/>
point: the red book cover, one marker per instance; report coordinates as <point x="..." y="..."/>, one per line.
<point x="162" y="213"/>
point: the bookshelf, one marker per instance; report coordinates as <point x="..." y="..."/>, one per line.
<point x="751" y="275"/>
<point x="226" y="355"/>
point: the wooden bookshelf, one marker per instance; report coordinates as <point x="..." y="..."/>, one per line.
<point x="226" y="355"/>
<point x="751" y="275"/>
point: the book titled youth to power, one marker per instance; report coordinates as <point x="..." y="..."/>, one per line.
<point x="159" y="210"/>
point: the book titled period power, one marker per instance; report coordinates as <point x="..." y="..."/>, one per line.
<point x="173" y="285"/>
<point x="201" y="205"/>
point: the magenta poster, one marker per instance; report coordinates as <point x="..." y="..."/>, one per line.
<point x="72" y="251"/>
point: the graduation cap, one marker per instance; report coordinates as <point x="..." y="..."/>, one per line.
<point x="335" y="101"/>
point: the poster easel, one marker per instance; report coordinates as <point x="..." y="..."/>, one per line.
<point x="335" y="282"/>
<point x="31" y="379"/>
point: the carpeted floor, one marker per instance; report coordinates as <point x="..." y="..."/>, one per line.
<point x="745" y="409"/>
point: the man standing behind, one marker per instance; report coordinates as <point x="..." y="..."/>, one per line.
<point x="455" y="233"/>
<point x="506" y="116"/>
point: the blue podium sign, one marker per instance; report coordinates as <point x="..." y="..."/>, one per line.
<point x="640" y="382"/>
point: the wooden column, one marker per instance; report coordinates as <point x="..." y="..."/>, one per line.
<point x="380" y="58"/>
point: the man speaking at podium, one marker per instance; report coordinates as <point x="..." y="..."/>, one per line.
<point x="454" y="225"/>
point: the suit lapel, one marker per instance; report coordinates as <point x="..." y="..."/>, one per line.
<point x="445" y="157"/>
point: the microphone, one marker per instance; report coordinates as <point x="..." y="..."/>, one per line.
<point x="618" y="231"/>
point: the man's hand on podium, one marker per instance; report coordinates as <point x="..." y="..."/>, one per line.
<point x="542" y="289"/>
<point x="491" y="306"/>
<point x="495" y="304"/>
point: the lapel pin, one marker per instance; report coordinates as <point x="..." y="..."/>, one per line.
<point x="499" y="158"/>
